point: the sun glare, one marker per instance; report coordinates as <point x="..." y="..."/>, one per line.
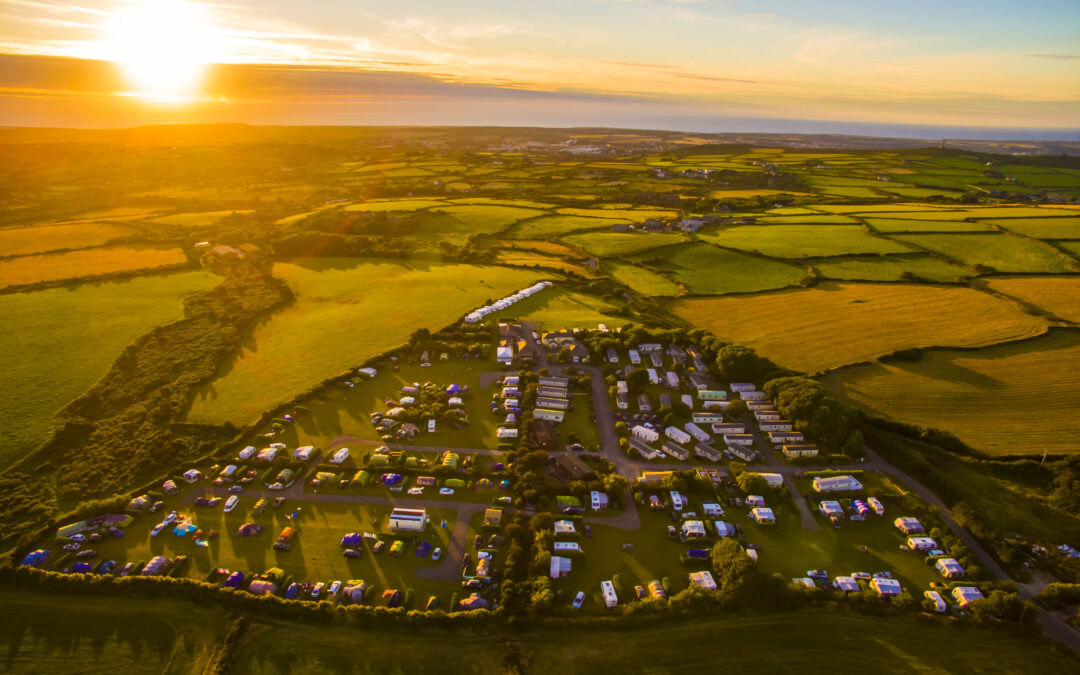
<point x="163" y="47"/>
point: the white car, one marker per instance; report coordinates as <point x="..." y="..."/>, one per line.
<point x="171" y="518"/>
<point x="579" y="600"/>
<point x="446" y="491"/>
<point x="334" y="588"/>
<point x="231" y="503"/>
<point x="416" y="491"/>
<point x="317" y="591"/>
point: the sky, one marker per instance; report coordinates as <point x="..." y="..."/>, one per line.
<point x="703" y="65"/>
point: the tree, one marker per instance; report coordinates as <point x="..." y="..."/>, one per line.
<point x="733" y="569"/>
<point x="614" y="484"/>
<point x="736" y="409"/>
<point x="752" y="483"/>
<point x="853" y="446"/>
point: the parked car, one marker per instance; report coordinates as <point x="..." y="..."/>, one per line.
<point x="379" y="546"/>
<point x="862" y="576"/>
<point x="88" y="553"/>
<point x="317" y="591"/>
<point x="72" y="546"/>
<point x="817" y="574"/>
<point x="588" y="530"/>
<point x="157" y="529"/>
<point x="353" y="553"/>
<point x="278" y="501"/>
<point x="882" y="575"/>
<point x="334" y="588"/>
<point x="446" y="491"/>
<point x="235" y="489"/>
<point x="579" y="600"/>
<point x="282" y="545"/>
<point x="416" y="491"/>
<point x="436" y="555"/>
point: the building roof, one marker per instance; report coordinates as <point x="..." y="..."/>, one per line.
<point x="570" y="467"/>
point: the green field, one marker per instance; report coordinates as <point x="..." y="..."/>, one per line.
<point x="635" y="215"/>
<point x="1058" y="295"/>
<point x="202" y="219"/>
<point x="801" y="241"/>
<point x="395" y="205"/>
<point x="347" y="310"/>
<point x="912" y="225"/>
<point x="32" y="269"/>
<point x="982" y="396"/>
<point x="58" y="342"/>
<point x="640" y="279"/>
<point x="1042" y="228"/>
<point x="834" y="324"/>
<point x="1071" y="247"/>
<point x="552" y="226"/>
<point x="481" y="218"/>
<point x="888" y="268"/>
<point x="51" y="632"/>
<point x="1002" y="252"/>
<point x="44" y="238"/>
<point x="605" y="244"/>
<point x="708" y="270"/>
<point x="557" y="308"/>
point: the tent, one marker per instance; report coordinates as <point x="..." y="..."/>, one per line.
<point x="35" y="558"/>
<point x="234" y="580"/>
<point x="391" y="478"/>
<point x="474" y="601"/>
<point x="184" y="528"/>
<point x="81" y="568"/>
<point x="432" y="604"/>
<point x="422" y="550"/>
<point x="355" y="593"/>
<point x="453" y="390"/>
<point x="292" y="591"/>
<point x="392" y="597"/>
<point x="249" y="530"/>
<point x="351" y="539"/>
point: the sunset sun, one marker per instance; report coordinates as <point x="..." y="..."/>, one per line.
<point x="163" y="47"/>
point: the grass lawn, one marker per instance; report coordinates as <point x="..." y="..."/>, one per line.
<point x="833" y="324"/>
<point x="1071" y="247"/>
<point x="801" y="241"/>
<point x="347" y="310"/>
<point x="641" y="279"/>
<point x="526" y="258"/>
<point x="1002" y="252"/>
<point x="482" y="218"/>
<point x="888" y="268"/>
<point x="552" y="226"/>
<point x="981" y="396"/>
<point x="707" y="270"/>
<point x="604" y="244"/>
<point x="95" y="261"/>
<point x="556" y="308"/>
<point x="44" y="238"/>
<point x="316" y="548"/>
<point x="59" y="341"/>
<point x="1058" y="295"/>
<point x="635" y="215"/>
<point x="338" y="410"/>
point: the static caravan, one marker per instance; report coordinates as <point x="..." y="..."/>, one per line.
<point x="548" y="414"/>
<point x="635" y="358"/>
<point x="552" y="403"/>
<point x="742" y="452"/>
<point x="643" y="403"/>
<point x="646" y="434"/>
<point x="697" y="432"/>
<point x="712" y="395"/>
<point x="654" y="378"/>
<point x="743" y="386"/>
<point x="739" y="439"/>
<point x="675" y="450"/>
<point x="552" y="392"/>
<point x="729" y="428"/>
<point x="707" y="417"/>
<point x="612" y="356"/>
<point x="773" y="480"/>
<point x="621" y="386"/>
<point x="836" y="483"/>
<point x="775" y="425"/>
<point x="791" y="451"/>
<point x="650" y="347"/>
<point x="709" y="453"/>
<point x="785" y="437"/>
<point x="755" y="406"/>
<point x="763" y="415"/>
<point x="622" y="401"/>
<point x="642" y="448"/>
<point x="672" y="379"/>
<point x="547" y="381"/>
<point x="676" y="434"/>
<point x="687" y="400"/>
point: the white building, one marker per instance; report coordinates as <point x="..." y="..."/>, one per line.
<point x="408" y="520"/>
<point x="340" y="456"/>
<point x="693" y="528"/>
<point x="303" y="453"/>
<point x="687" y="400"/>
<point x="836" y="484"/>
<point x="966" y="595"/>
<point x="921" y="543"/>
<point x="192" y="475"/>
<point x="644" y="433"/>
<point x="703" y="579"/>
<point x="506" y="432"/>
<point x="775" y="425"/>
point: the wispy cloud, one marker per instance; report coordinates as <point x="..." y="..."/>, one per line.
<point x="1058" y="57"/>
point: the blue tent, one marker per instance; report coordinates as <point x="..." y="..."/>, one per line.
<point x="391" y="478"/>
<point x="698" y="553"/>
<point x="234" y="580"/>
<point x="82" y="567"/>
<point x="422" y="550"/>
<point x="352" y="539"/>
<point x="184" y="529"/>
<point x="292" y="591"/>
<point x="452" y="390"/>
<point x="35" y="558"/>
